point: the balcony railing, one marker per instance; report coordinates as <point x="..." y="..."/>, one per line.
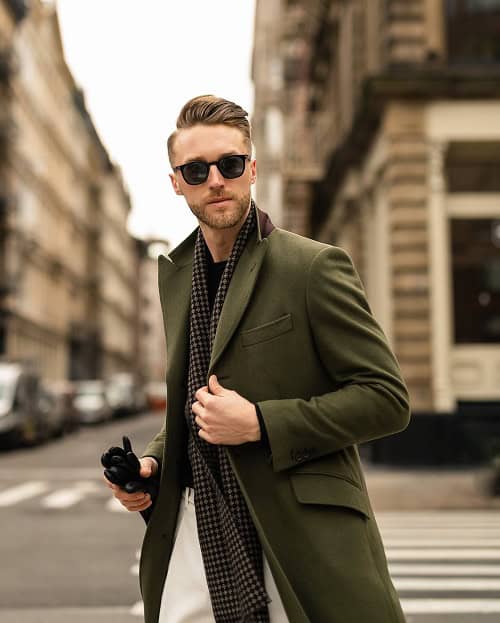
<point x="307" y="145"/>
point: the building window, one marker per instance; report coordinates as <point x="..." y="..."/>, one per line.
<point x="475" y="245"/>
<point x="473" y="167"/>
<point x="473" y="31"/>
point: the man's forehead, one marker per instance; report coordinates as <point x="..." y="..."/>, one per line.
<point x="208" y="142"/>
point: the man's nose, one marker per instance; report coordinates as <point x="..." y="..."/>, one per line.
<point x="215" y="177"/>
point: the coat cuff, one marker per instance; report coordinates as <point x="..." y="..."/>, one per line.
<point x="264" y="438"/>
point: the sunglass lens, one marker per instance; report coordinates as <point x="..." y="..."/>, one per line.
<point x="232" y="166"/>
<point x="195" y="172"/>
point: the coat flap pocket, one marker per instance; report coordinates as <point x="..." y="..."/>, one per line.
<point x="267" y="331"/>
<point x="329" y="490"/>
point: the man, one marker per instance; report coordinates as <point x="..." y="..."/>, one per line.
<point x="276" y="370"/>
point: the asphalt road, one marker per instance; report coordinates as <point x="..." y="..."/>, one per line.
<point x="66" y="553"/>
<point x="69" y="554"/>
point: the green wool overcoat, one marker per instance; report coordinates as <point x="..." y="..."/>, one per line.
<point x="297" y="337"/>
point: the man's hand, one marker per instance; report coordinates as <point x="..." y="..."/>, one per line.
<point x="224" y="417"/>
<point x="136" y="501"/>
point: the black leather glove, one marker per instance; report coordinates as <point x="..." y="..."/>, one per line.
<point x="122" y="468"/>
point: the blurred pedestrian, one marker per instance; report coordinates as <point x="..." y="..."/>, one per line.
<point x="276" y="370"/>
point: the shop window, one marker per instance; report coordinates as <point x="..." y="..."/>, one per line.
<point x="473" y="167"/>
<point x="473" y="31"/>
<point x="475" y="245"/>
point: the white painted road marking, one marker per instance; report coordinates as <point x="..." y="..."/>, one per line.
<point x="399" y="569"/>
<point x="64" y="498"/>
<point x="115" y="506"/>
<point x="17" y="494"/>
<point x="447" y="584"/>
<point x="445" y="551"/>
<point x="442" y="533"/>
<point x="443" y="554"/>
<point x="414" y="541"/>
<point x="137" y="609"/>
<point x="447" y="606"/>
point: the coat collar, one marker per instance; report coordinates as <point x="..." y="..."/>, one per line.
<point x="183" y="253"/>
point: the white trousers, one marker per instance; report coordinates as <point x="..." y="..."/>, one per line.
<point x="185" y="596"/>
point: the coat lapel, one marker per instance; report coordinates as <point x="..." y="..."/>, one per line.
<point x="175" y="285"/>
<point x="238" y="295"/>
<point x="174" y="276"/>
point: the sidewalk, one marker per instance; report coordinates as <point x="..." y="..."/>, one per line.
<point x="425" y="489"/>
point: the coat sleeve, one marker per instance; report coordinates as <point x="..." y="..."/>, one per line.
<point x="156" y="445"/>
<point x="370" y="399"/>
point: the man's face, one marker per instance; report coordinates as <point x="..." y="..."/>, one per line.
<point x="218" y="203"/>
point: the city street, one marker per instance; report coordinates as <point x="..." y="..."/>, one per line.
<point x="445" y="564"/>
<point x="68" y="552"/>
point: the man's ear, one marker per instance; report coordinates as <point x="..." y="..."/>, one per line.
<point x="175" y="184"/>
<point x="253" y="171"/>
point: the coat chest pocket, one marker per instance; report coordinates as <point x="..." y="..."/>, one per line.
<point x="267" y="331"/>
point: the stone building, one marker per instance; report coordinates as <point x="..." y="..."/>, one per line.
<point x="67" y="263"/>
<point x="153" y="346"/>
<point x="377" y="128"/>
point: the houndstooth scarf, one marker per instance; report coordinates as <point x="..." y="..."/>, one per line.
<point x="231" y="550"/>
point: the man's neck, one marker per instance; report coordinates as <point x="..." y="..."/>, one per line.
<point x="220" y="242"/>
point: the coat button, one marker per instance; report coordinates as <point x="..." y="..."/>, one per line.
<point x="304" y="454"/>
<point x="297" y="456"/>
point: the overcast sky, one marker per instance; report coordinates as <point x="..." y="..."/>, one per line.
<point x="138" y="62"/>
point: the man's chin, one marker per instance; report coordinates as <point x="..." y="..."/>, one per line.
<point x="222" y="221"/>
<point x="221" y="215"/>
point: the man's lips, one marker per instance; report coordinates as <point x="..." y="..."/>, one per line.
<point x="219" y="200"/>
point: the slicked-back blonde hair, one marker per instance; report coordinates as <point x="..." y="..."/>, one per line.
<point x="210" y="110"/>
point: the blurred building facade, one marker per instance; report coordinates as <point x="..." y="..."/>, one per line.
<point x="377" y="128"/>
<point x="68" y="266"/>
<point x="152" y="334"/>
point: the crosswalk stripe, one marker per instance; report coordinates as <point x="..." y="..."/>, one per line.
<point x="115" y="506"/>
<point x="439" y="521"/>
<point x="64" y="498"/>
<point x="486" y="517"/>
<point x="137" y="609"/>
<point x="17" y="494"/>
<point x="442" y="554"/>
<point x="450" y="542"/>
<point x="450" y="606"/>
<point x="401" y="569"/>
<point x="447" y="584"/>
<point x="449" y="533"/>
<point x="439" y="514"/>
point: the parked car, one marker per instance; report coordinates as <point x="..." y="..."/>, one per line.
<point x="57" y="400"/>
<point x="120" y="392"/>
<point x="156" y="392"/>
<point x="125" y="395"/>
<point x="21" y="419"/>
<point x="91" y="402"/>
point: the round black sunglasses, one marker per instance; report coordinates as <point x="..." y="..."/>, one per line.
<point x="196" y="172"/>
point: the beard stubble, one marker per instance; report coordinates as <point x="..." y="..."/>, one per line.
<point x="223" y="219"/>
